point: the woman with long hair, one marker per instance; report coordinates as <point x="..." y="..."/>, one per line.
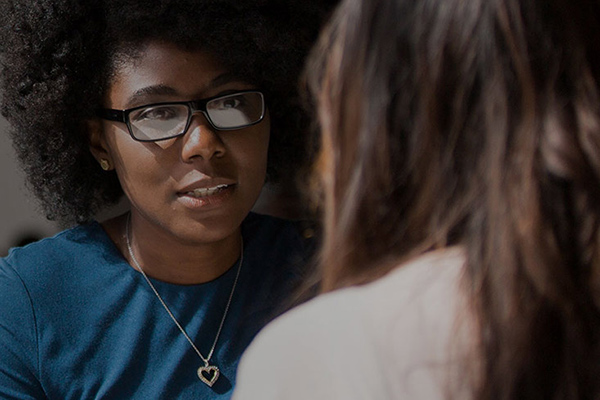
<point x="460" y="174"/>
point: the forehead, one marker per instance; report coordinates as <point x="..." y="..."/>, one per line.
<point x="163" y="69"/>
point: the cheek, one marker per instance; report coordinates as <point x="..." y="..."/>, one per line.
<point x="252" y="152"/>
<point x="264" y="151"/>
<point x="135" y="164"/>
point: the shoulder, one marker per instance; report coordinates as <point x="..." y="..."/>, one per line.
<point x="275" y="243"/>
<point x="352" y="341"/>
<point x="31" y="278"/>
<point x="278" y="257"/>
<point x="48" y="257"/>
<point x="421" y="324"/>
<point x="80" y="234"/>
<point x="263" y="227"/>
<point x="413" y="290"/>
<point x="25" y="264"/>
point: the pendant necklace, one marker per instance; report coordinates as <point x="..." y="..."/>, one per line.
<point x="207" y="373"/>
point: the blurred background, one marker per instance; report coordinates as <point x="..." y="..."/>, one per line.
<point x="21" y="219"/>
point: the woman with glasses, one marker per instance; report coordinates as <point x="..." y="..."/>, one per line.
<point x="460" y="165"/>
<point x="185" y="108"/>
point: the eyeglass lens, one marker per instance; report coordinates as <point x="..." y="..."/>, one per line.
<point x="167" y="120"/>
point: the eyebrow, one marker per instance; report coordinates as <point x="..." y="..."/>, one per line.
<point x="164" y="90"/>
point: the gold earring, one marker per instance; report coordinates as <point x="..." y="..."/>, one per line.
<point x="104" y="164"/>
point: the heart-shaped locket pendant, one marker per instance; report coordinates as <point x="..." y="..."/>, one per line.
<point x="208" y="374"/>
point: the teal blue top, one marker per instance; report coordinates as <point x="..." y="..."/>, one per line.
<point x="77" y="322"/>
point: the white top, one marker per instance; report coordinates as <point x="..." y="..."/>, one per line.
<point x="404" y="336"/>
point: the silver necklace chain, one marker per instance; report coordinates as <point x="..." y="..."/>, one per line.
<point x="207" y="373"/>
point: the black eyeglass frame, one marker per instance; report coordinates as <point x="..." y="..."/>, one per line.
<point x="193" y="107"/>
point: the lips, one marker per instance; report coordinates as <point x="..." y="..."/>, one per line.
<point x="207" y="194"/>
<point x="207" y="191"/>
<point x="205" y="187"/>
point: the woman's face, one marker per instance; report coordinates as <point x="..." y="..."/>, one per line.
<point x="197" y="187"/>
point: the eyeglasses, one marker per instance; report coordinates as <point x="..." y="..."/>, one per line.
<point x="162" y="121"/>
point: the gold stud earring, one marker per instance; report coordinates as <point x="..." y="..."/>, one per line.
<point x="104" y="164"/>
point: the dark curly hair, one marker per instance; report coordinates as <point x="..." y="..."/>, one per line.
<point x="57" y="60"/>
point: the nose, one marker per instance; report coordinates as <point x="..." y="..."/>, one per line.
<point x="201" y="140"/>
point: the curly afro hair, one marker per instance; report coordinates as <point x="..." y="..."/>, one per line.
<point x="58" y="56"/>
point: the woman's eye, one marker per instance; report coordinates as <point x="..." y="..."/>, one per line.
<point x="158" y="113"/>
<point x="231" y="103"/>
<point x="228" y="103"/>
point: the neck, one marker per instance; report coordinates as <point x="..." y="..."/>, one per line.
<point x="164" y="257"/>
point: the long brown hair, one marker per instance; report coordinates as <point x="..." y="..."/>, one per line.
<point x="474" y="123"/>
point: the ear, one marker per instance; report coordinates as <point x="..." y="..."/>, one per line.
<point x="98" y="145"/>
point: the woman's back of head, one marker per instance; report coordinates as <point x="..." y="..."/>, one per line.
<point x="478" y="124"/>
